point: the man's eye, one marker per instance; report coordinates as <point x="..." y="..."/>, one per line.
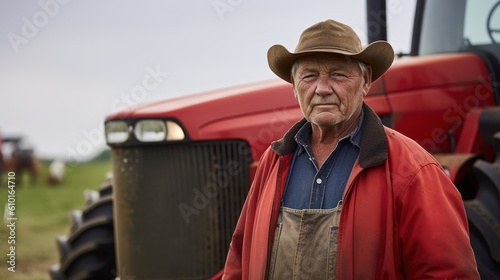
<point x="308" y="77"/>
<point x="338" y="75"/>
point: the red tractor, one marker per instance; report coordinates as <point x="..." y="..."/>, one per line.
<point x="19" y="157"/>
<point x="182" y="167"/>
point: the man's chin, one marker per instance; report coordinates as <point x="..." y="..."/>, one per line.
<point x="326" y="118"/>
<point x="325" y="121"/>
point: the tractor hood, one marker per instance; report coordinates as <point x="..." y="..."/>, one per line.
<point x="237" y="112"/>
<point x="434" y="71"/>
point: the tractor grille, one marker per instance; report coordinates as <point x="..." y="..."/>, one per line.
<point x="176" y="207"/>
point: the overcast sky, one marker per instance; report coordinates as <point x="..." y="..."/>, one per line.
<point x="65" y="65"/>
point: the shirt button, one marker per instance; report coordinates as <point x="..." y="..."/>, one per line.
<point x="319" y="181"/>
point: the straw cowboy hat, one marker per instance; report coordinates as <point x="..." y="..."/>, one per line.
<point x="331" y="37"/>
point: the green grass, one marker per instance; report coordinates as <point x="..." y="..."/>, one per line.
<point x="42" y="212"/>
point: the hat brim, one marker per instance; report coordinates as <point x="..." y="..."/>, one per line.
<point x="379" y="55"/>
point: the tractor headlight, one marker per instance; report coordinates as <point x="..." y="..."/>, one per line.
<point x="157" y="131"/>
<point x="116" y="132"/>
<point x="174" y="131"/>
<point x="133" y="132"/>
<point x="150" y="130"/>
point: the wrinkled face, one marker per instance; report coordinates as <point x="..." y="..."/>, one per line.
<point x="330" y="88"/>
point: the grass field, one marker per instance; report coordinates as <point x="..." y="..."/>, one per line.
<point x="42" y="213"/>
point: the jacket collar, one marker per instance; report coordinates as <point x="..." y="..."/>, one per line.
<point x="373" y="147"/>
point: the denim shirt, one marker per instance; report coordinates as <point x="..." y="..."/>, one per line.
<point x="310" y="187"/>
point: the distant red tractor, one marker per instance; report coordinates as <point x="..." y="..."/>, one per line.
<point x="182" y="167"/>
<point x="18" y="157"/>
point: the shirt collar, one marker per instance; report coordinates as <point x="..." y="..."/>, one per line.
<point x="303" y="136"/>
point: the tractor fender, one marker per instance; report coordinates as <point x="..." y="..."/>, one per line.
<point x="460" y="168"/>
<point x="477" y="132"/>
<point x="489" y="123"/>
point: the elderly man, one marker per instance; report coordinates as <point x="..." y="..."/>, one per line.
<point x="341" y="196"/>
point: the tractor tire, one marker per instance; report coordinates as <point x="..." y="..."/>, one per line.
<point x="483" y="214"/>
<point x="89" y="250"/>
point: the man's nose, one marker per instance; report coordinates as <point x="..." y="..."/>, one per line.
<point x="323" y="87"/>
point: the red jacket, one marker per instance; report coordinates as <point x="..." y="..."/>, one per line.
<point x="402" y="217"/>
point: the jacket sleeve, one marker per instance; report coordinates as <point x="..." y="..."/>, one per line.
<point x="237" y="260"/>
<point x="233" y="267"/>
<point x="433" y="229"/>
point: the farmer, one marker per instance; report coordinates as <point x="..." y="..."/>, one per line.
<point x="341" y="196"/>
